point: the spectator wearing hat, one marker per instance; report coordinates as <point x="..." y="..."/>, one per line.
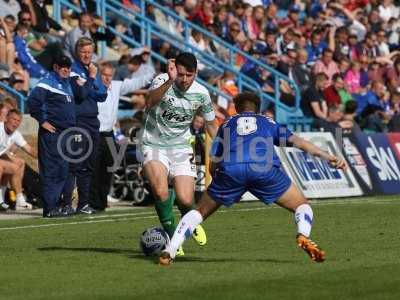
<point x="51" y="103"/>
<point x="10" y="7"/>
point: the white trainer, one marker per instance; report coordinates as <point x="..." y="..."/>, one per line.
<point x="21" y="204"/>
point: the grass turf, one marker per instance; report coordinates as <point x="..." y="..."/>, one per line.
<point x="251" y="254"/>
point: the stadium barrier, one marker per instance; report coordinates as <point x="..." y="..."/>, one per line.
<point x="381" y="154"/>
<point x="315" y="177"/>
<point x="374" y="166"/>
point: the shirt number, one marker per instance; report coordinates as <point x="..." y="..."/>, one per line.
<point x="246" y="125"/>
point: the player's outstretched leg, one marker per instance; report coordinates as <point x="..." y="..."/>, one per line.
<point x="184" y="186"/>
<point x="187" y="225"/>
<point x="199" y="234"/>
<point x="295" y="201"/>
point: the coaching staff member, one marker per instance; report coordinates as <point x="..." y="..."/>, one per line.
<point x="52" y="104"/>
<point x="84" y="73"/>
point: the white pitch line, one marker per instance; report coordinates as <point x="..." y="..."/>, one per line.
<point x="139" y="216"/>
<point x="121" y="215"/>
<point x="76" y="223"/>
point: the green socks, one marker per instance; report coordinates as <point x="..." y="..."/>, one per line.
<point x="166" y="214"/>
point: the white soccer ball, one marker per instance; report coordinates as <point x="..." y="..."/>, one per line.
<point x="153" y="240"/>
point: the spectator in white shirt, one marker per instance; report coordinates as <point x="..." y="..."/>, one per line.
<point x="100" y="183"/>
<point x="12" y="167"/>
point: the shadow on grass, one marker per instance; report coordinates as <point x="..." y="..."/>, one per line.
<point x="135" y="254"/>
<point x="128" y="252"/>
<point x="232" y="260"/>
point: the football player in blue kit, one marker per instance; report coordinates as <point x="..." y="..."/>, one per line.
<point x="243" y="159"/>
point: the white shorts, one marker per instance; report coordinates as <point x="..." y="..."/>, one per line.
<point x="179" y="162"/>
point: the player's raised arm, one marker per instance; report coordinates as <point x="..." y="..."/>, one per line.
<point x="306" y="146"/>
<point x="161" y="84"/>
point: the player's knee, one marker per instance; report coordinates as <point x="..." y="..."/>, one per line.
<point x="160" y="193"/>
<point x="186" y="201"/>
<point x="21" y="163"/>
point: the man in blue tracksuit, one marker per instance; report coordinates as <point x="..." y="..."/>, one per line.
<point x="84" y="73"/>
<point x="52" y="104"/>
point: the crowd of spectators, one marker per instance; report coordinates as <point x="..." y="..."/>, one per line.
<point x="336" y="51"/>
<point x="353" y="44"/>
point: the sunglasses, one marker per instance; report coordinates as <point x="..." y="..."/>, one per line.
<point x="26" y="19"/>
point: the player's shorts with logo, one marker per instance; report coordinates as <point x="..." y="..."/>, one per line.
<point x="231" y="181"/>
<point x="178" y="161"/>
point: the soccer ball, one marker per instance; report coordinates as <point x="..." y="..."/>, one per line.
<point x="153" y="240"/>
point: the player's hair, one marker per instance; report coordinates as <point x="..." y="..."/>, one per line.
<point x="187" y="60"/>
<point x="245" y="101"/>
<point x="10" y="101"/>
<point x="14" y="111"/>
<point x="83" y="42"/>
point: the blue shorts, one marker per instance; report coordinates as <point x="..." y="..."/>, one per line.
<point x="231" y="181"/>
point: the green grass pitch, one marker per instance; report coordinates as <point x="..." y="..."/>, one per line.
<point x="251" y="254"/>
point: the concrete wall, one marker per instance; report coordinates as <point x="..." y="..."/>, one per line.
<point x="29" y="126"/>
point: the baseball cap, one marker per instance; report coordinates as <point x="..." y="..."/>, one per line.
<point x="63" y="61"/>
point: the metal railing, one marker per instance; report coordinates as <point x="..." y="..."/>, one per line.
<point x="112" y="10"/>
<point x="19" y="97"/>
